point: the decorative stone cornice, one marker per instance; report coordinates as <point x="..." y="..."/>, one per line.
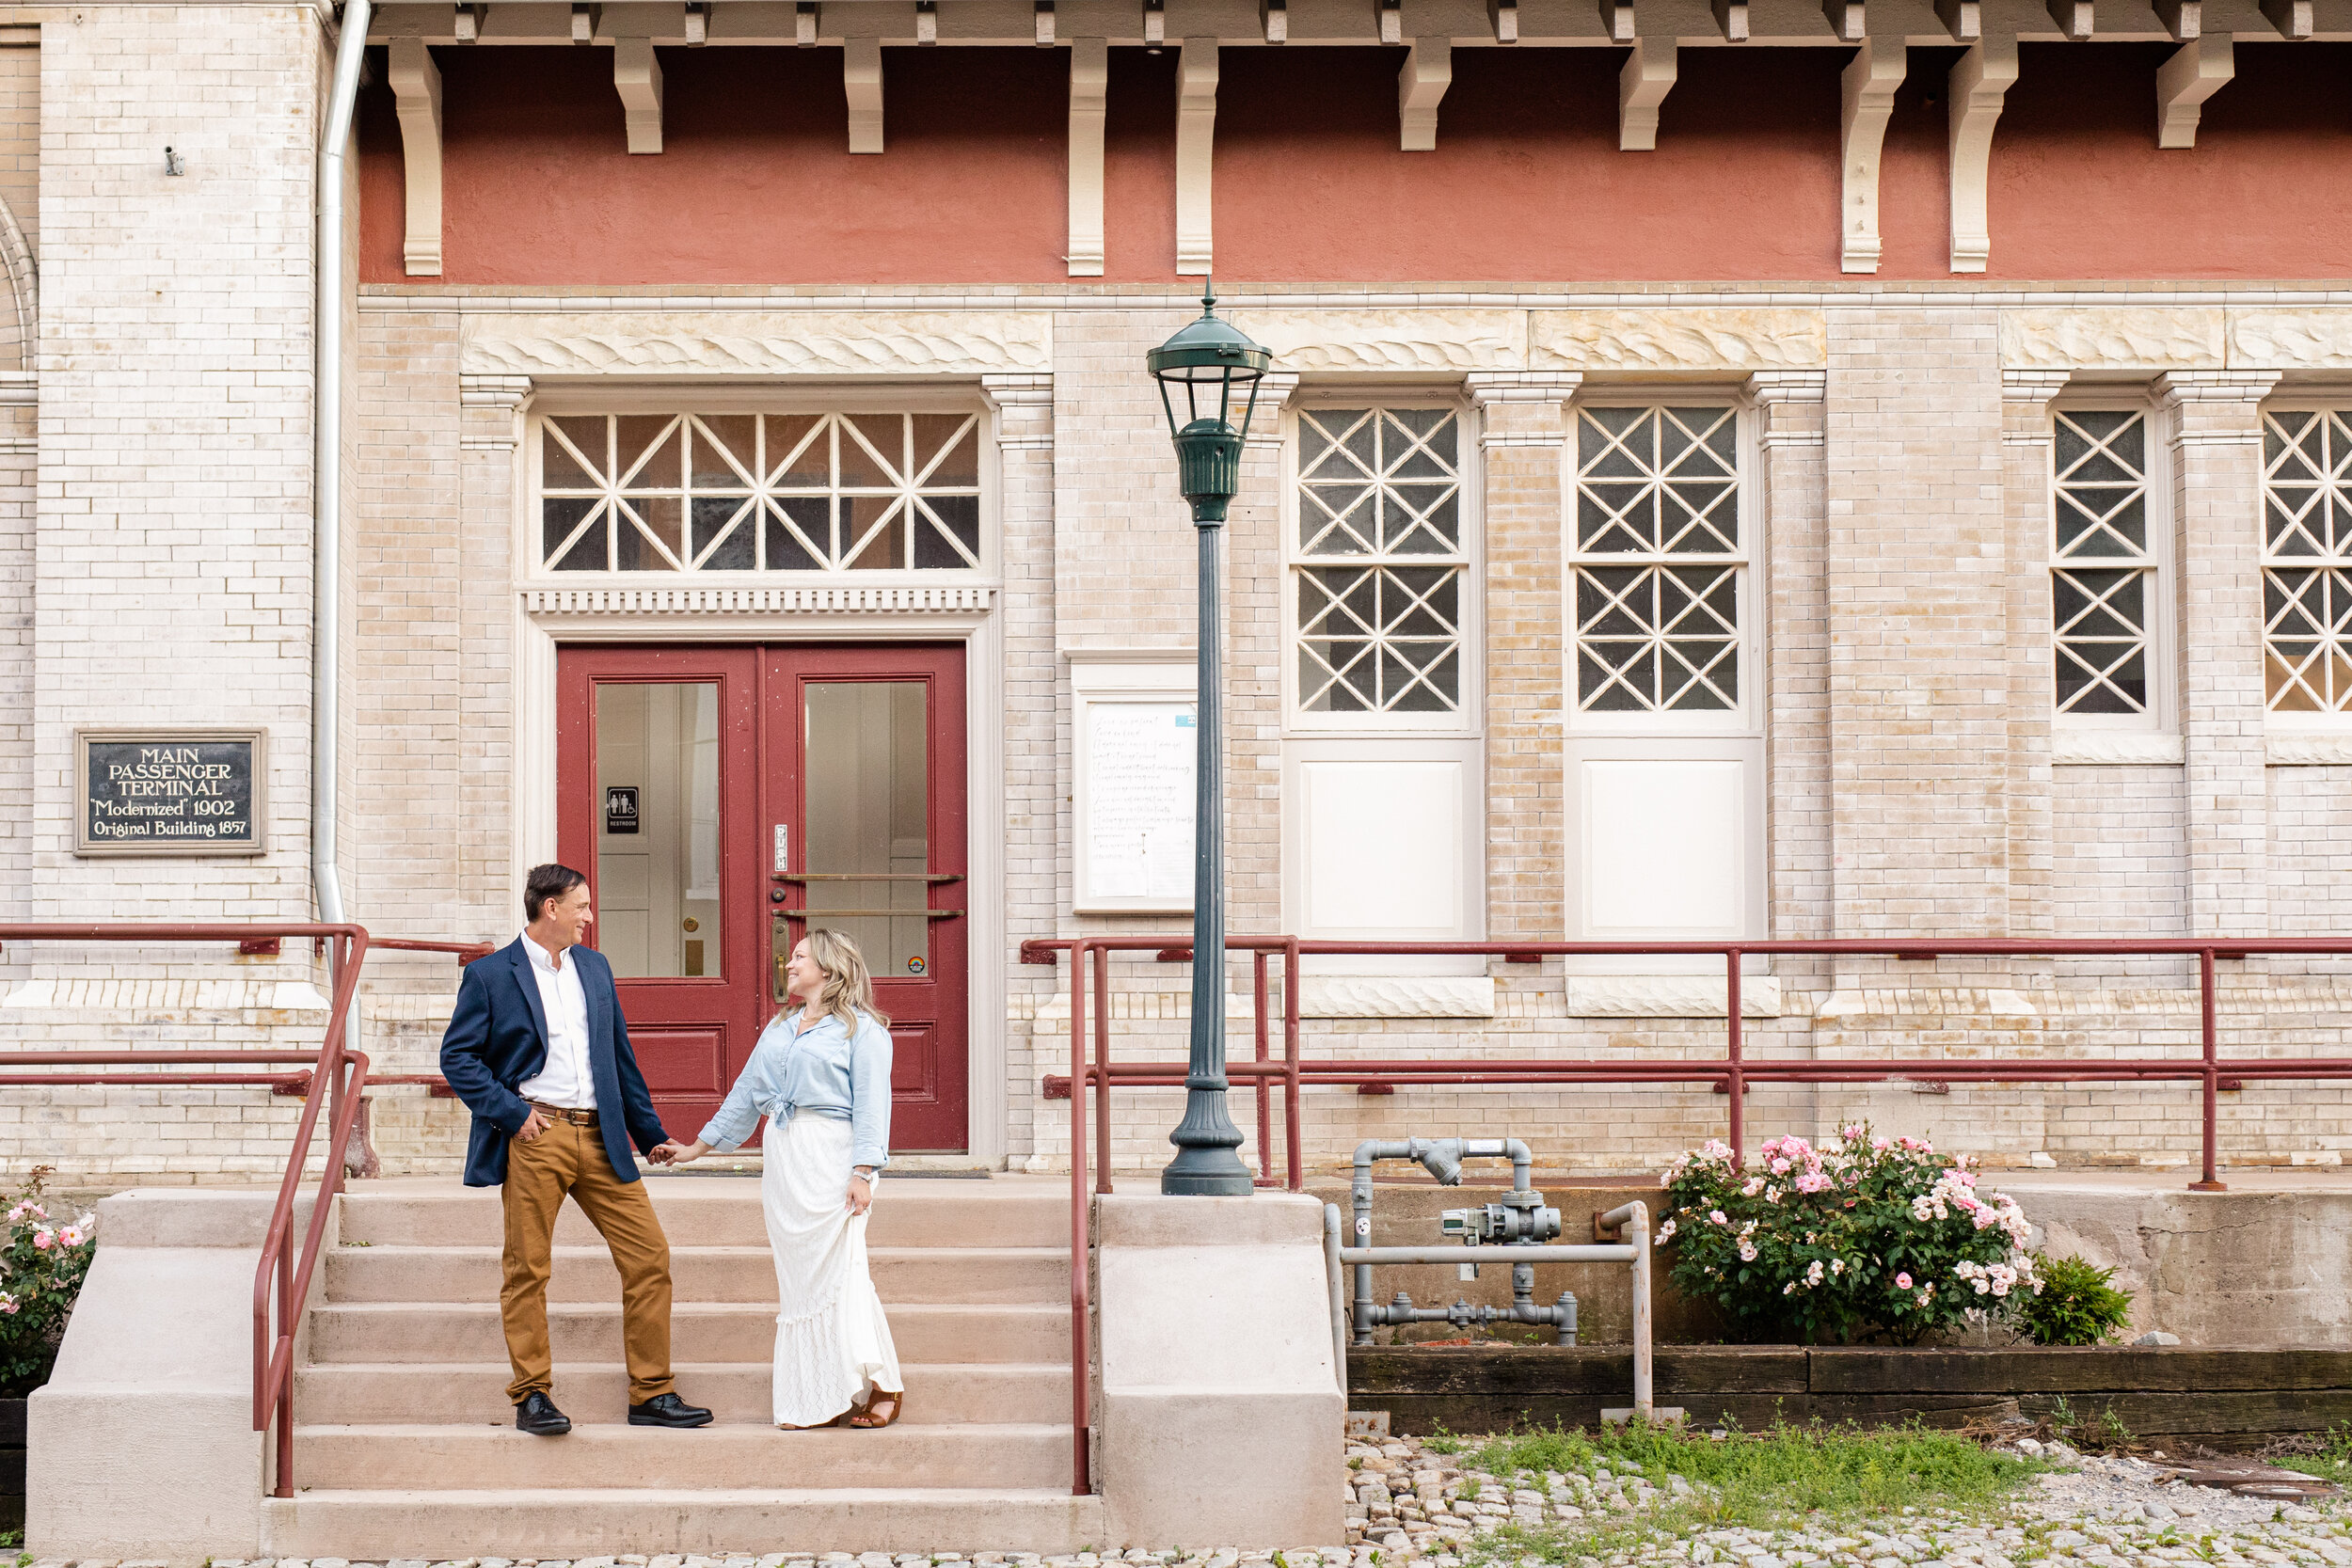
<point x="1792" y="404"/>
<point x="1024" y="402"/>
<point x="2026" y="397"/>
<point x="1322" y="342"/>
<point x="845" y="599"/>
<point x="1728" y="339"/>
<point x="2151" y="337"/>
<point x="1275" y="390"/>
<point x="487" y="406"/>
<point x="811" y="343"/>
<point x="1500" y="394"/>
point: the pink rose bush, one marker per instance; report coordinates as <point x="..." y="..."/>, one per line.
<point x="42" y="1263"/>
<point x="1863" y="1236"/>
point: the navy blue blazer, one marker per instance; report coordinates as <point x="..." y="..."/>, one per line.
<point x="498" y="1039"/>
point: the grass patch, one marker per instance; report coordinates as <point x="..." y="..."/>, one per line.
<point x="2325" y="1454"/>
<point x="1756" y="1478"/>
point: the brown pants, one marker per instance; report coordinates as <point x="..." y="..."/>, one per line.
<point x="568" y="1157"/>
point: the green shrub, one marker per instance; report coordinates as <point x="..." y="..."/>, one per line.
<point x="1862" y="1236"/>
<point x="2078" y="1305"/>
<point x="43" y="1261"/>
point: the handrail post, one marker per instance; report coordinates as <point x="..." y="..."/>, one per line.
<point x="1295" y="1080"/>
<point x="1103" y="1067"/>
<point x="1080" y="1360"/>
<point x="1735" y="1078"/>
<point x="1266" y="1086"/>
<point x="2211" y="1180"/>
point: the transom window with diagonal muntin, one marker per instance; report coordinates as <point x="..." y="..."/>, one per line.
<point x="2307" y="561"/>
<point x="2103" y="562"/>
<point x="688" y="492"/>
<point x="1377" y="561"/>
<point x="1660" y="559"/>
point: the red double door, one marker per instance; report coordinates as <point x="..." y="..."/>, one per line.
<point x="721" y="799"/>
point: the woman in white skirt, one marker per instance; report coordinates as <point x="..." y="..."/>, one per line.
<point x="820" y="1074"/>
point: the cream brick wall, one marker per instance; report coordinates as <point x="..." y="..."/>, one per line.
<point x="1903" y="560"/>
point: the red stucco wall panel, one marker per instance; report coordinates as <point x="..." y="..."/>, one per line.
<point x="756" y="185"/>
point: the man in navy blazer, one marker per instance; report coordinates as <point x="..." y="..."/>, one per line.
<point x="538" y="1051"/>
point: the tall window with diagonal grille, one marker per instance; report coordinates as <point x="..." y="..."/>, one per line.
<point x="688" y="492"/>
<point x="2307" y="561"/>
<point x="2103" y="558"/>
<point x="1378" y="561"/>
<point x="1660" y="559"/>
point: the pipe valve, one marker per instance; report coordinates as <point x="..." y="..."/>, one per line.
<point x="1501" y="1223"/>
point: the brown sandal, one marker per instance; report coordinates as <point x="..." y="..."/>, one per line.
<point x="865" y="1417"/>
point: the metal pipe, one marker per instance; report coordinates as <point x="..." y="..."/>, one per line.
<point x="1611" y="1252"/>
<point x="328" y="425"/>
<point x="1635" y="1216"/>
<point x="1335" y="1277"/>
<point x="2211" y="1180"/>
<point x="1081" y="1484"/>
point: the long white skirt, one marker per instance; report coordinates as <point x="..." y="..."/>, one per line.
<point x="833" y="1343"/>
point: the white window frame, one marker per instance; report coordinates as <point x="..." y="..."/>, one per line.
<point x="1466" y="718"/>
<point x="2323" y="401"/>
<point x="1311" y="740"/>
<point x="1669" y="737"/>
<point x="2163" y="592"/>
<point x="531" y="571"/>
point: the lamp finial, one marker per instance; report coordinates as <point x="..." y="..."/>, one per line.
<point x="1207" y="295"/>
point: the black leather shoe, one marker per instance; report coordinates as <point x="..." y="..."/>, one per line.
<point x="538" y="1416"/>
<point x="667" y="1410"/>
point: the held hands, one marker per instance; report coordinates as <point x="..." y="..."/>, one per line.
<point x="861" y="1192"/>
<point x="672" y="1152"/>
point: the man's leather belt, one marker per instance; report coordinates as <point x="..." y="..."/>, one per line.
<point x="557" y="1113"/>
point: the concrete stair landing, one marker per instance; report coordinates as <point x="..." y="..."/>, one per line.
<point x="405" y="1444"/>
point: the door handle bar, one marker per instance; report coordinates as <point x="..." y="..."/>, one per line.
<point x="933" y="876"/>
<point x="895" y="914"/>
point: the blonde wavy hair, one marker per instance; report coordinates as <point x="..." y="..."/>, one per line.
<point x="849" y="987"/>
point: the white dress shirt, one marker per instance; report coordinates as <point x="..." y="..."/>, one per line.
<point x="564" y="1079"/>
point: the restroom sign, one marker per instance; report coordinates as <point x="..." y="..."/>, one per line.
<point x="620" y="809"/>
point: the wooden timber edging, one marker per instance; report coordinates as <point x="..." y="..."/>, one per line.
<point x="2225" y="1398"/>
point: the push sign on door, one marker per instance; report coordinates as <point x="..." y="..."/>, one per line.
<point x="620" y="809"/>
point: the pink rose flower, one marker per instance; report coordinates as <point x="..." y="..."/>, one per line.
<point x="1902" y="1282"/>
<point x="42" y="1239"/>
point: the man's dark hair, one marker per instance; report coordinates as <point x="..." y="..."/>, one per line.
<point x="545" y="882"/>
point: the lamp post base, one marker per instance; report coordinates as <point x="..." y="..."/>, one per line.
<point x="1207" y="1173"/>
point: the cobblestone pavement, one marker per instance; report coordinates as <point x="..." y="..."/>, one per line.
<point x="1410" y="1507"/>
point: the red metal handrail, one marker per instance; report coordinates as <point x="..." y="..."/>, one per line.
<point x="281" y="1279"/>
<point x="1731" y="1074"/>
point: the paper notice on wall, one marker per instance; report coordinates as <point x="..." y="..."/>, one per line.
<point x="1141" y="760"/>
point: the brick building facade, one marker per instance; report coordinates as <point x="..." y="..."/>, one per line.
<point x="1885" y="479"/>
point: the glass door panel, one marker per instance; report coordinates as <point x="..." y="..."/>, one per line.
<point x="868" y="821"/>
<point x="657" y="828"/>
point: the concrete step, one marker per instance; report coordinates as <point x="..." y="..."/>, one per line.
<point x="441" y="1332"/>
<point x="720" y="1457"/>
<point x="379" y="1393"/>
<point x="379" y="1525"/>
<point x="1001" y="1211"/>
<point x="946" y="1274"/>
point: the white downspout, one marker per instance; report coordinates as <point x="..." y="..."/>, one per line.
<point x="326" y="540"/>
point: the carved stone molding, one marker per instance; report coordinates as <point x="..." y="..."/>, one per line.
<point x="2307" y="750"/>
<point x="1311" y="342"/>
<point x="2114" y="747"/>
<point x="1025" y="409"/>
<point x="1406" y="996"/>
<point x="1275" y="390"/>
<point x="848" y="599"/>
<point x="2151" y="338"/>
<point x="2319" y="338"/>
<point x="1731" y="338"/>
<point x="812" y="342"/>
<point x="487" y="406"/>
<point x="1669" y="996"/>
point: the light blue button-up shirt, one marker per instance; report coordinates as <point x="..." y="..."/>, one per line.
<point x="821" y="1070"/>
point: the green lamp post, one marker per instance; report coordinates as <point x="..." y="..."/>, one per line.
<point x="1212" y="363"/>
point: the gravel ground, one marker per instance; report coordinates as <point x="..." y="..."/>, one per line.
<point x="1407" y="1510"/>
